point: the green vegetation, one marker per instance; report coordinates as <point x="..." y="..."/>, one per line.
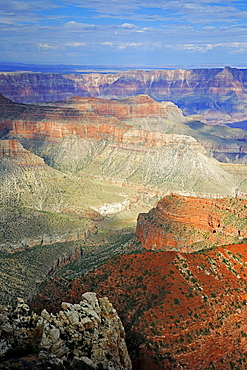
<point x="20" y="227"/>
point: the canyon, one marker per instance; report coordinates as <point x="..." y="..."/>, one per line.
<point x="77" y="169"/>
<point x="123" y="138"/>
<point x="133" y="186"/>
<point x="218" y="93"/>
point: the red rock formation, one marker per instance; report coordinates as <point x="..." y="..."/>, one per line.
<point x="86" y="117"/>
<point x="179" y="310"/>
<point x="31" y="87"/>
<point x="133" y="107"/>
<point x="11" y="148"/>
<point x="187" y="223"/>
<point x="89" y="118"/>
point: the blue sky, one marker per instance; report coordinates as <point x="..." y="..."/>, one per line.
<point x="154" y="33"/>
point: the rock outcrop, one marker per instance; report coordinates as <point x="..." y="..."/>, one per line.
<point x="87" y="335"/>
<point x="135" y="107"/>
<point x="188" y="224"/>
<point x="144" y="113"/>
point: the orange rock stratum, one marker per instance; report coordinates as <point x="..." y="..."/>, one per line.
<point x="188" y="223"/>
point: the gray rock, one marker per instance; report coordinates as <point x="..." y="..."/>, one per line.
<point x="91" y="327"/>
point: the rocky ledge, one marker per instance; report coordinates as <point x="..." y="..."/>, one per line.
<point x="88" y="335"/>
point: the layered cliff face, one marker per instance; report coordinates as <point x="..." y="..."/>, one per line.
<point x="100" y="119"/>
<point x="31" y="87"/>
<point x="219" y="94"/>
<point x="136" y="107"/>
<point x="141" y="111"/>
<point x="57" y="120"/>
<point x="77" y="136"/>
<point x="187" y="224"/>
<point x="88" y="335"/>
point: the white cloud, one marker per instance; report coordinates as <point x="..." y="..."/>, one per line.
<point x="192" y="11"/>
<point x="233" y="47"/>
<point x="128" y="25"/>
<point x="72" y="25"/>
<point x="129" y="45"/>
<point x="47" y="47"/>
<point x="106" y="43"/>
<point x="198" y="48"/>
<point x="75" y="44"/>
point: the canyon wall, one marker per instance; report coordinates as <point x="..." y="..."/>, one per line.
<point x="101" y="119"/>
<point x="82" y="134"/>
<point x="33" y="87"/>
<point x="217" y="93"/>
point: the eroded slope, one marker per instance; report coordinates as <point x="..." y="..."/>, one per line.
<point x="179" y="310"/>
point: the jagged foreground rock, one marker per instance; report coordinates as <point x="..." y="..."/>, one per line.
<point x="88" y="335"/>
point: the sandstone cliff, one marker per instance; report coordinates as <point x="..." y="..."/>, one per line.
<point x="87" y="335"/>
<point x="187" y="223"/>
<point x="135" y="107"/>
<point x="141" y="111"/>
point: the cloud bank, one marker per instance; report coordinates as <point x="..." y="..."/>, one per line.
<point x="130" y="32"/>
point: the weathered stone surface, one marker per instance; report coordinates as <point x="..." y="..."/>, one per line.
<point x="78" y="334"/>
<point x="180" y="310"/>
